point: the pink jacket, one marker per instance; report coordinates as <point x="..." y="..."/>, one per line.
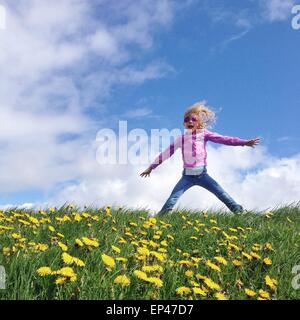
<point x="193" y="147"/>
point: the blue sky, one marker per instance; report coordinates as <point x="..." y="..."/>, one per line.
<point x="143" y="63"/>
<point x="253" y="79"/>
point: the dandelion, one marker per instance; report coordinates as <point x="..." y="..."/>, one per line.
<point x="140" y="274"/>
<point x="212" y="266"/>
<point x="108" y="261"/>
<point x="189" y="273"/>
<point x="116" y="249"/>
<point x="255" y="255"/>
<point x="44" y="271"/>
<point x="245" y="254"/>
<point x="123" y="280"/>
<point x="220" y="296"/>
<point x="183" y="290"/>
<point x="158" y="282"/>
<point x="90" y="242"/>
<point x="62" y="246"/>
<point x="51" y="228"/>
<point x="68" y="273"/>
<point x="264" y="294"/>
<point x="152" y="268"/>
<point x="250" y="293"/>
<point x="67" y="258"/>
<point x="143" y="251"/>
<point x="237" y="263"/>
<point x="268" y="246"/>
<point x="272" y="283"/>
<point x="221" y="260"/>
<point x="211" y="284"/>
<point x="267" y="261"/>
<point x="78" y="243"/>
<point x="60" y="280"/>
<point x="199" y="291"/>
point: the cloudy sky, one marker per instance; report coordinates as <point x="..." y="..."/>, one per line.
<point x="70" y="68"/>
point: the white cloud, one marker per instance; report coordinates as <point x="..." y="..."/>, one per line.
<point x="57" y="59"/>
<point x="252" y="177"/>
<point x="277" y="10"/>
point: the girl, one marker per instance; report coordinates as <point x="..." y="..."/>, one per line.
<point x="193" y="146"/>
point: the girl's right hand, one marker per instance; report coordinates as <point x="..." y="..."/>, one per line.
<point x="146" y="173"/>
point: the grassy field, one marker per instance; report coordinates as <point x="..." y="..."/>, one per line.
<point x="66" y="253"/>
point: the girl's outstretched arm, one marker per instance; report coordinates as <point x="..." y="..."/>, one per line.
<point x="231" y="141"/>
<point x="167" y="153"/>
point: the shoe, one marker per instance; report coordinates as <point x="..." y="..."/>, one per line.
<point x="239" y="210"/>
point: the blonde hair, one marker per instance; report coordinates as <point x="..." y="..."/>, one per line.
<point x="207" y="116"/>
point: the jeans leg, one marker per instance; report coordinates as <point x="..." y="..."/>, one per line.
<point x="182" y="185"/>
<point x="207" y="182"/>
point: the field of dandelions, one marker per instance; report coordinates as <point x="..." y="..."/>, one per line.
<point x="105" y="253"/>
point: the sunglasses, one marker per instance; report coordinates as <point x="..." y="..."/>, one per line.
<point x="187" y="119"/>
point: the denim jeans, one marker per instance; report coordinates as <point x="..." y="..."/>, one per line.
<point x="202" y="180"/>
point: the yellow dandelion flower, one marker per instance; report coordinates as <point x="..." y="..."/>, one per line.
<point x="199" y="291"/>
<point x="220" y="296"/>
<point x="44" y="271"/>
<point x="62" y="246"/>
<point x="78" y="262"/>
<point x="185" y="263"/>
<point x="67" y="258"/>
<point x="159" y="256"/>
<point x="90" y="242"/>
<point x="237" y="263"/>
<point x="41" y="247"/>
<point x="189" y="273"/>
<point x="267" y="261"/>
<point x="255" y="255"/>
<point x="66" y="272"/>
<point x="116" y="249"/>
<point x="158" y="282"/>
<point x="221" y="260"/>
<point x="272" y="283"/>
<point x="143" y="251"/>
<point x="51" y="228"/>
<point x="183" y="290"/>
<point x="60" y="280"/>
<point x="213" y="266"/>
<point x="264" y="294"/>
<point x="211" y="284"/>
<point x="123" y="280"/>
<point x="152" y="268"/>
<point x="140" y="274"/>
<point x="78" y="243"/>
<point x="246" y="255"/>
<point x="250" y="293"/>
<point x="16" y="236"/>
<point x="268" y="246"/>
<point x="6" y="251"/>
<point x="108" y="261"/>
<point x="122" y="259"/>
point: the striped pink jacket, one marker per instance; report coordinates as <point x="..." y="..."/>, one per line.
<point x="193" y="147"/>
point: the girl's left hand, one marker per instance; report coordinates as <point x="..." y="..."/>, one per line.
<point x="253" y="142"/>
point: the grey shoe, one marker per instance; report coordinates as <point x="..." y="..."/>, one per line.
<point x="239" y="210"/>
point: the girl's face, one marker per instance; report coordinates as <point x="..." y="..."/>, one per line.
<point x="192" y="122"/>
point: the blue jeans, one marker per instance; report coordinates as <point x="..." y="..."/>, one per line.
<point x="202" y="180"/>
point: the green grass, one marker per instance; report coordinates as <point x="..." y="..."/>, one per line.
<point x="281" y="229"/>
